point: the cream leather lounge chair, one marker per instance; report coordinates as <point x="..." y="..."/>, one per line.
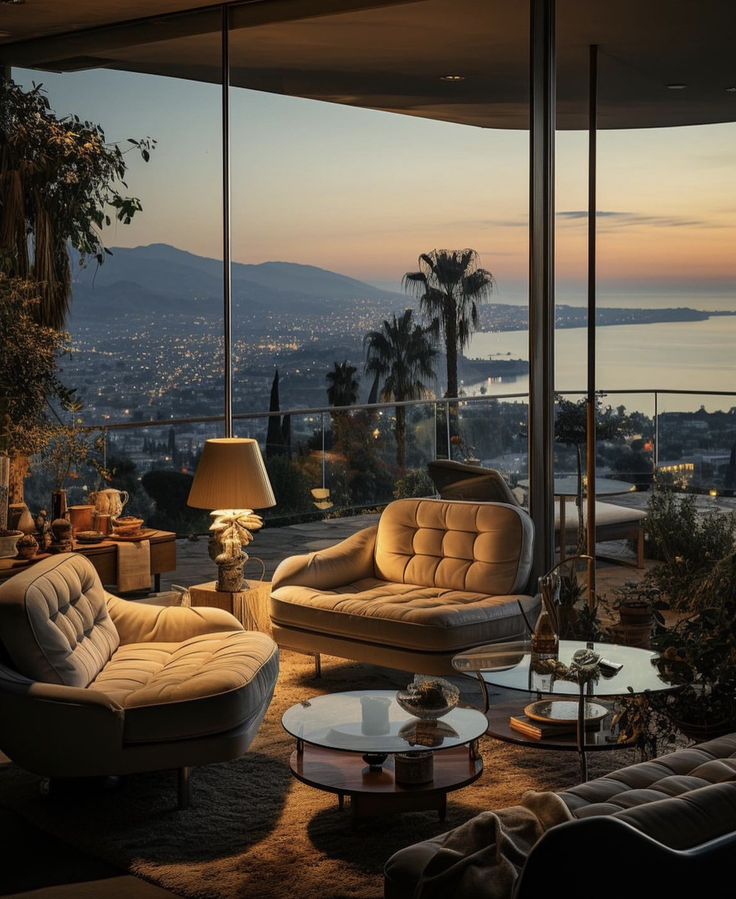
<point x="93" y="685"/>
<point x="431" y="579"/>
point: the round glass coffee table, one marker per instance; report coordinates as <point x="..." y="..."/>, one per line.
<point x="511" y="666"/>
<point x="346" y="742"/>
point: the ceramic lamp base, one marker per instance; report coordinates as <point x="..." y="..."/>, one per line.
<point x="230" y="577"/>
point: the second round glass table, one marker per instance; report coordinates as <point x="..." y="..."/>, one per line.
<point x="512" y="666"/>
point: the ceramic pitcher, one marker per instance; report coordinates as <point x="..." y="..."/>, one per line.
<point x="109" y="501"/>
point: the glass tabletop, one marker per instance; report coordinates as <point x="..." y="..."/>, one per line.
<point x="510" y="665"/>
<point x="568" y="486"/>
<point x="372" y="721"/>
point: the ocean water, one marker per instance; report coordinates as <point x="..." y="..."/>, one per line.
<point x="666" y="356"/>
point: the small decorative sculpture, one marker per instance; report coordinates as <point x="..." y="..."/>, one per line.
<point x="27" y="546"/>
<point x="230" y="531"/>
<point x="61" y="528"/>
<point x="43" y="530"/>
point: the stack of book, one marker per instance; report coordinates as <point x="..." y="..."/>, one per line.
<point x="538" y="730"/>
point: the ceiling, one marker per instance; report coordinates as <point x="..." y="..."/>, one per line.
<point x="393" y="56"/>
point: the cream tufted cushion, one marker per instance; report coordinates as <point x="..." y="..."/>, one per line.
<point x="428" y="619"/>
<point x="54" y="623"/>
<point x="480" y="547"/>
<point x="668" y="776"/>
<point x="227" y="676"/>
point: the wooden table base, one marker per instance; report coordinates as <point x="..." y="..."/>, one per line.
<point x="374" y="793"/>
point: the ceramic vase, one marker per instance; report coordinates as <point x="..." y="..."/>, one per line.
<point x="59" y="504"/>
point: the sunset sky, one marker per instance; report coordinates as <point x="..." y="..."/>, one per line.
<point x="364" y="192"/>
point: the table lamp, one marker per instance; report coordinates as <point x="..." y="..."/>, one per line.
<point x="232" y="480"/>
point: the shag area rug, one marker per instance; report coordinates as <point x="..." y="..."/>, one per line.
<point x="254" y="831"/>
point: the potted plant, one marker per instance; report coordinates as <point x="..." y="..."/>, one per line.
<point x="700" y="654"/>
<point x="68" y="448"/>
<point x="639" y="604"/>
<point x="8" y="543"/>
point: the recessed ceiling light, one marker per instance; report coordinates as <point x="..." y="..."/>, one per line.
<point x="676" y="87"/>
<point x="12" y="2"/>
<point x="452" y="77"/>
<point x="731" y="90"/>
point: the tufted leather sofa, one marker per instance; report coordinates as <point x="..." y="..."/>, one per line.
<point x="432" y="579"/>
<point x="95" y="685"/>
<point x="669" y="823"/>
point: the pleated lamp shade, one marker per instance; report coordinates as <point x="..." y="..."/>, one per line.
<point x="231" y="475"/>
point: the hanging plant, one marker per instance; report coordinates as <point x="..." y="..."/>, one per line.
<point x="61" y="183"/>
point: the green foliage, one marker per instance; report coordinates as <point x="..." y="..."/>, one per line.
<point x="29" y="384"/>
<point x="635" y="466"/>
<point x="686" y="541"/>
<point x="642" y="594"/>
<point x="342" y="384"/>
<point x="290" y="487"/>
<point x="414" y="482"/>
<point x="169" y="491"/>
<point x="69" y="448"/>
<point x="450" y="286"/>
<point x="401" y="354"/>
<point x="700" y="653"/>
<point x="571" y="423"/>
<point x="61" y="184"/>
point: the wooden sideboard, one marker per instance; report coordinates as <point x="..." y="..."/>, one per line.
<point x="104" y="556"/>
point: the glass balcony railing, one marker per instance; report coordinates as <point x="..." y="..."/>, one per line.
<point x="327" y="460"/>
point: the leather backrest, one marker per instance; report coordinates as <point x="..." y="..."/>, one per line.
<point x="54" y="623"/>
<point x="457" y="480"/>
<point x="479" y="547"/>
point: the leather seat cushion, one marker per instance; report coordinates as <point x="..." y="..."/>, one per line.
<point x="430" y="619"/>
<point x="606" y="515"/>
<point x="206" y="685"/>
<point x="668" y="776"/>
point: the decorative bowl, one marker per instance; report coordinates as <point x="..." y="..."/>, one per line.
<point x="89" y="536"/>
<point x="127" y="525"/>
<point x="428" y="698"/>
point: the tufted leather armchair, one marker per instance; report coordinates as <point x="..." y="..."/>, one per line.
<point x="667" y="825"/>
<point x="433" y="578"/>
<point x="94" y="685"/>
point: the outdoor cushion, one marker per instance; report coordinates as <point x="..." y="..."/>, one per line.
<point x="407" y="615"/>
<point x="57" y="629"/>
<point x="606" y="515"/>
<point x="205" y="685"/>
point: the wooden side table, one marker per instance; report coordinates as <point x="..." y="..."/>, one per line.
<point x="104" y="557"/>
<point x="250" y="606"/>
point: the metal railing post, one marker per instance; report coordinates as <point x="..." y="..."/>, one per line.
<point x="447" y="428"/>
<point x="656" y="431"/>
<point x="324" y="461"/>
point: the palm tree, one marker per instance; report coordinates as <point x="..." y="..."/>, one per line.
<point x="401" y="354"/>
<point x="342" y="385"/>
<point x="451" y="286"/>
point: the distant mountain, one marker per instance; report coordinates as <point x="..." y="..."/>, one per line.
<point x="163" y="279"/>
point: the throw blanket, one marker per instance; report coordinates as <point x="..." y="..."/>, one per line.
<point x="134" y="566"/>
<point x="482" y="858"/>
